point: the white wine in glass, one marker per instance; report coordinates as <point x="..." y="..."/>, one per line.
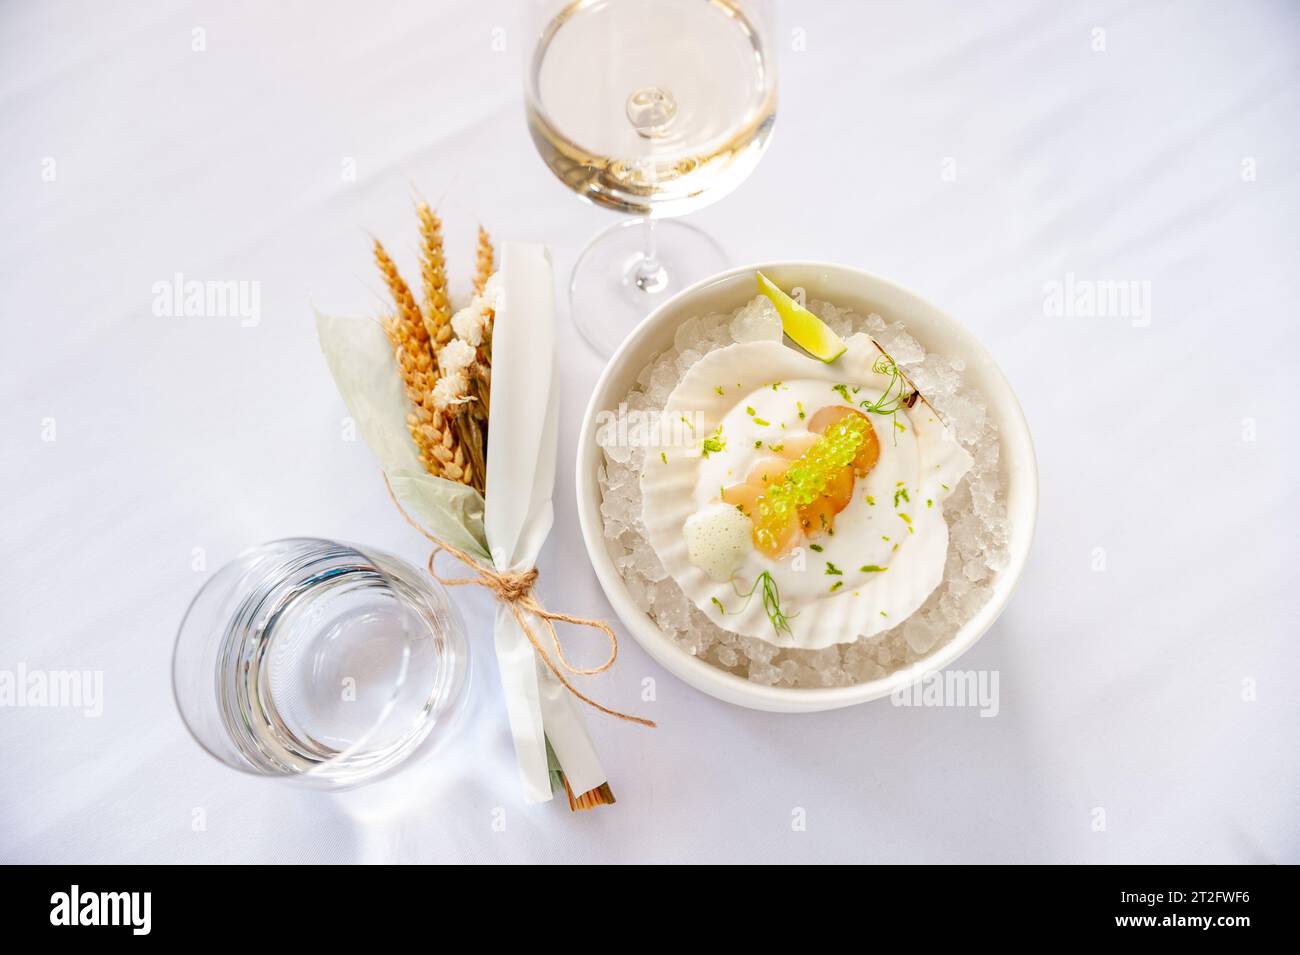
<point x="655" y="108"/>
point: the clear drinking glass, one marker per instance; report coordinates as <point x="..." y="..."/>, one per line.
<point x="319" y="662"/>
<point x="655" y="108"/>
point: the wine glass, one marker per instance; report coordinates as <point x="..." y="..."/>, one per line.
<point x="655" y="108"/>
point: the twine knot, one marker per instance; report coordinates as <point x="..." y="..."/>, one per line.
<point x="511" y="587"/>
<point x="515" y="590"/>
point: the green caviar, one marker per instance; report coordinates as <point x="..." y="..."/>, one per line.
<point x="807" y="478"/>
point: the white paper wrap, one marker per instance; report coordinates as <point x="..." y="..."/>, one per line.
<point x="510" y="527"/>
<point x="520" y="479"/>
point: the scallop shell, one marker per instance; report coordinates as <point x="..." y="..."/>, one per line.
<point x="669" y="483"/>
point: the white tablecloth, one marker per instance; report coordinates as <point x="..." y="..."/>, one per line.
<point x="973" y="152"/>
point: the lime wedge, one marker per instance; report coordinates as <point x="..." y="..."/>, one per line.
<point x="804" y="328"/>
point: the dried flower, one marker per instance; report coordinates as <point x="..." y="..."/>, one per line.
<point x="469" y="323"/>
<point x="455" y="357"/>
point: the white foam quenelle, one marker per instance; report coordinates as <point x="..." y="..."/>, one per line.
<point x="751" y="418"/>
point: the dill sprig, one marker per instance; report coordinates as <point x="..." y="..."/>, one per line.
<point x="771" y="602"/>
<point x="891" y="400"/>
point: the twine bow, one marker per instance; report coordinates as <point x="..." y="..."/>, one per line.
<point x="515" y="590"/>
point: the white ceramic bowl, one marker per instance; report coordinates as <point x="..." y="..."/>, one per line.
<point x="864" y="293"/>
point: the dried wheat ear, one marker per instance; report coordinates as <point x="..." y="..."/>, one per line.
<point x="451" y="437"/>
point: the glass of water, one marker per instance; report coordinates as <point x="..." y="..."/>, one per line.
<point x="320" y="662"/>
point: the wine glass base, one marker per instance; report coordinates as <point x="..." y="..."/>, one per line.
<point x="611" y="288"/>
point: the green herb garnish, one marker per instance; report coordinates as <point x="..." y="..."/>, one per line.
<point x="872" y="569"/>
<point x="771" y="602"/>
<point x="816" y="547"/>
<point x="896" y="394"/>
<point x="832" y="569"/>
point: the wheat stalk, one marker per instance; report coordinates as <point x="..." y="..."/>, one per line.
<point x="408" y="313"/>
<point x="481" y="377"/>
<point x="483" y="271"/>
<point x="453" y="462"/>
<point x="435" y="437"/>
<point x="473" y="433"/>
<point x="433" y="271"/>
<point x="481" y="384"/>
<point x="483" y="261"/>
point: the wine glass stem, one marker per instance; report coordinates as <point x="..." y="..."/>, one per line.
<point x="648" y="275"/>
<point x="649" y="261"/>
